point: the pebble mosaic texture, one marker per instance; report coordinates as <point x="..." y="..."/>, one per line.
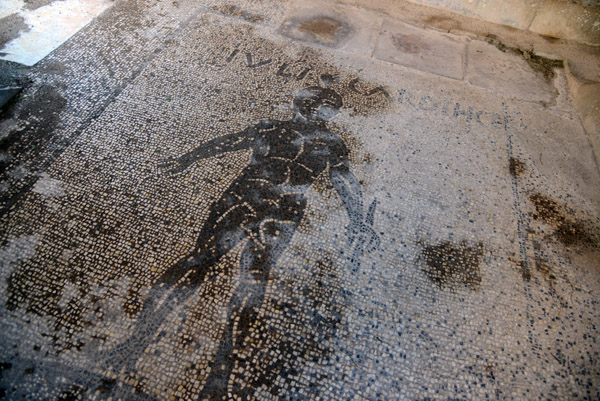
<point x="206" y="208"/>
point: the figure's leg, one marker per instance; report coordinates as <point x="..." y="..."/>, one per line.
<point x="231" y="220"/>
<point x="257" y="261"/>
<point x="223" y="230"/>
<point x="161" y="301"/>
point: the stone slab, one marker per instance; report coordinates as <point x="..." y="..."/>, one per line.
<point x="515" y="13"/>
<point x="468" y="8"/>
<point x="574" y="20"/>
<point x="425" y="50"/>
<point x="586" y="100"/>
<point x="332" y="25"/>
<point x="506" y="74"/>
<point x="569" y="20"/>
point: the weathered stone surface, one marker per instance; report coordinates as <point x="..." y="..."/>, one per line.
<point x="572" y="20"/>
<point x="586" y="99"/>
<point x="506" y="73"/>
<point x="425" y="50"/>
<point x="468" y="8"/>
<point x="569" y="20"/>
<point x="515" y="13"/>
<point x="321" y="29"/>
<point x="332" y="25"/>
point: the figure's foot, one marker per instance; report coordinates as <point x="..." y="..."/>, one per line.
<point x="172" y="166"/>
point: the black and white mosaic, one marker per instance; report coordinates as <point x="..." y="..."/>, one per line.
<point x="238" y="215"/>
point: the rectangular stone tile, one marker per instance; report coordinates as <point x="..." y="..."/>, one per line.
<point x="468" y="8"/>
<point x="333" y="25"/>
<point x="515" y="13"/>
<point x="422" y="49"/>
<point x="506" y="73"/>
<point x="568" y="20"/>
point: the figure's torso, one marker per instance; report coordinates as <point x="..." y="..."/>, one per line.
<point x="294" y="153"/>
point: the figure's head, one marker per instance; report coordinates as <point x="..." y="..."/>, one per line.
<point x="316" y="103"/>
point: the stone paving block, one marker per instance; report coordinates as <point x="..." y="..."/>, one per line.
<point x="506" y="73"/>
<point x="337" y="26"/>
<point x="569" y="20"/>
<point x="586" y="100"/>
<point x="572" y="20"/>
<point x="515" y="13"/>
<point x="468" y="8"/>
<point x="422" y="49"/>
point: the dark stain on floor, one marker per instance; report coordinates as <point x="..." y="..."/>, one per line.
<point x="320" y="29"/>
<point x="567" y="230"/>
<point x="543" y="268"/>
<point x="10" y="28"/>
<point x="322" y="26"/>
<point x="411" y="44"/>
<point x="448" y="263"/>
<point x="541" y="65"/>
<point x="516" y="167"/>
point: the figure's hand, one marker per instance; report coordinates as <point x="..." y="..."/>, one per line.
<point x="364" y="235"/>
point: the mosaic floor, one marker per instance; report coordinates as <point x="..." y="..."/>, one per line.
<point x="208" y="201"/>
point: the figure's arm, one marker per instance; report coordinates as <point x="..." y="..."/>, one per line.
<point x="227" y="143"/>
<point x="349" y="190"/>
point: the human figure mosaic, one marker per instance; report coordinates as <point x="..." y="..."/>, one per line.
<point x="258" y="212"/>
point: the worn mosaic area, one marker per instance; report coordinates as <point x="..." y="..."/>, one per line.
<point x="250" y="216"/>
